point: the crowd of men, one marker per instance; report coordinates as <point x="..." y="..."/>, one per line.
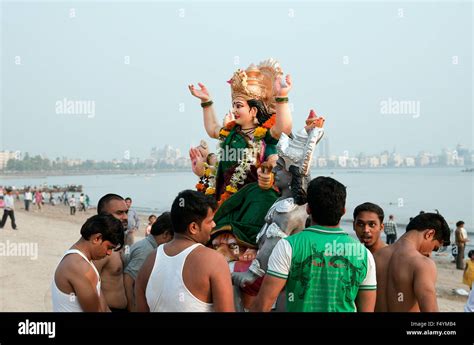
<point x="321" y="268"/>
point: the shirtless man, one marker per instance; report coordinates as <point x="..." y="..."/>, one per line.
<point x="76" y="285"/>
<point x="406" y="275"/>
<point x="184" y="275"/>
<point x="368" y="225"/>
<point x="111" y="269"/>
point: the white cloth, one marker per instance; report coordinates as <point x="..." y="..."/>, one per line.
<point x="464" y="234"/>
<point x="165" y="291"/>
<point x="28" y="196"/>
<point x="469" y="307"/>
<point x="63" y="302"/>
<point x="9" y="202"/>
<point x="72" y="202"/>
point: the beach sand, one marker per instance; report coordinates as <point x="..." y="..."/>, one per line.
<point x="25" y="281"/>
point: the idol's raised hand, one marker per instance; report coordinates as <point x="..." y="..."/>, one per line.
<point x="202" y="93"/>
<point x="229" y="117"/>
<point x="283" y="90"/>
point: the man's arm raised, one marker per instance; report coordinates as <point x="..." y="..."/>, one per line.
<point x="424" y="285"/>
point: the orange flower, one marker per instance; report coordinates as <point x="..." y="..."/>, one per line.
<point x="270" y="122"/>
<point x="224" y="197"/>
<point x="260" y="133"/>
<point x="224" y="133"/>
<point x="200" y="187"/>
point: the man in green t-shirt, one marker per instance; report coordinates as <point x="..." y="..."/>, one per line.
<point x="323" y="268"/>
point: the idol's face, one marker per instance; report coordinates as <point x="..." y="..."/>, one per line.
<point x="243" y="114"/>
<point x="282" y="176"/>
<point x="227" y="245"/>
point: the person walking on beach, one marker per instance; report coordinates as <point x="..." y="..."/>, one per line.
<point x="82" y="202"/>
<point x="76" y="285"/>
<point x="133" y="223"/>
<point x="183" y="275"/>
<point x="322" y="268"/>
<point x="9" y="211"/>
<point x="406" y="274"/>
<point x="368" y="225"/>
<point x="72" y="205"/>
<point x="111" y="268"/>
<point x="161" y="232"/>
<point x="39" y="199"/>
<point x="391" y="230"/>
<point x="28" y="199"/>
<point x="461" y="238"/>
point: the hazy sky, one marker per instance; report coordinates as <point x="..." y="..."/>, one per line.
<point x="134" y="61"/>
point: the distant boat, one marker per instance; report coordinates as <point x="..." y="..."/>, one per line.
<point x="468" y="170"/>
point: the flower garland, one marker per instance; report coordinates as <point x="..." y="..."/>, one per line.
<point x="207" y="182"/>
<point x="249" y="155"/>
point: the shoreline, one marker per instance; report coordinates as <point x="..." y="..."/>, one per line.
<point x="26" y="282"/>
<point x="41" y="174"/>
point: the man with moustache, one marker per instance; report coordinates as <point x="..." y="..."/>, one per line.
<point x="111" y="268"/>
<point x="368" y="226"/>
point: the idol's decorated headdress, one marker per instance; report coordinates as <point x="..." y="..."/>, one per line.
<point x="299" y="150"/>
<point x="257" y="82"/>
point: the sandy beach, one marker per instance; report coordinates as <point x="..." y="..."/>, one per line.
<point x="45" y="235"/>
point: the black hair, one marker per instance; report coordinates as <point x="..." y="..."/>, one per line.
<point x="326" y="200"/>
<point x="299" y="194"/>
<point x="128" y="198"/>
<point x="105" y="200"/>
<point x="432" y="221"/>
<point x="162" y="224"/>
<point x="188" y="207"/>
<point x="369" y="207"/>
<point x="108" y="226"/>
<point x="151" y="215"/>
<point x="470" y="254"/>
<point x="460" y="223"/>
<point x="262" y="112"/>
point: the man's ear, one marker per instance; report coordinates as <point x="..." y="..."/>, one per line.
<point x="308" y="210"/>
<point x="96" y="238"/>
<point x="193" y="228"/>
<point x="382" y="227"/>
<point x="429" y="234"/>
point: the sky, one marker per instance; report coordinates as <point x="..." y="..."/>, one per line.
<point x="355" y="63"/>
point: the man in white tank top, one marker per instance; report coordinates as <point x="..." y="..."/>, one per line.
<point x="76" y="281"/>
<point x="184" y="275"/>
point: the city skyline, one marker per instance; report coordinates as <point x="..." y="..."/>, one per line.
<point x="75" y="87"/>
